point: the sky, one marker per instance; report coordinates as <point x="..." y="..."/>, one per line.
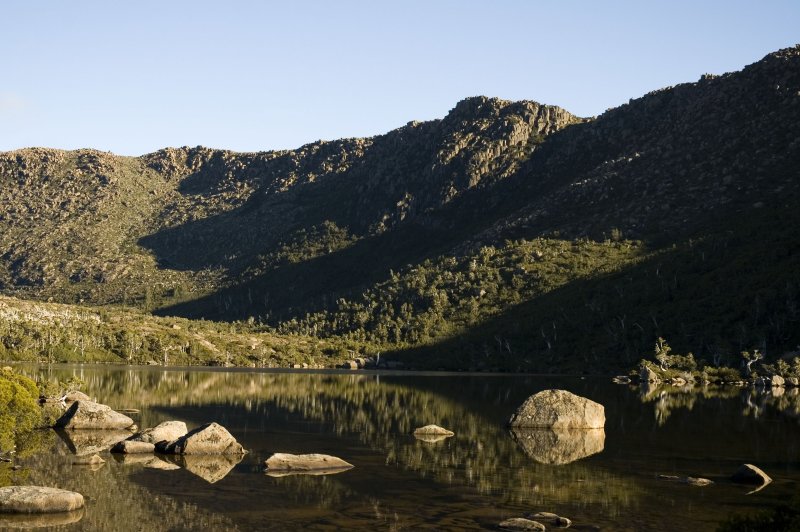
<point x="134" y="77"/>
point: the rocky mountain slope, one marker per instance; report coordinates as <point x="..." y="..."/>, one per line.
<point x="511" y="233"/>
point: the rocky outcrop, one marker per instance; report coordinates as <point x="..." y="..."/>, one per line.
<point x="211" y="438"/>
<point x="559" y="446"/>
<point x="648" y="375"/>
<point x="90" y="415"/>
<point x="37" y="499"/>
<point x="558" y="409"/>
<point x="318" y="464"/>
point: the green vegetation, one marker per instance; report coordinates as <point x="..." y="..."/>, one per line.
<point x="19" y="408"/>
<point x="507" y="235"/>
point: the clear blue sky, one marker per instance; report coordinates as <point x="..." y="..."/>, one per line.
<point x="132" y="77"/>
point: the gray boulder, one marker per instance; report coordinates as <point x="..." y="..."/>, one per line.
<point x="283" y="463"/>
<point x="211" y="438"/>
<point x="777" y="380"/>
<point x="522" y="524"/>
<point x="73" y="396"/>
<point x="750" y="474"/>
<point x="91" y="415"/>
<point x="559" y="409"/>
<point x="166" y="431"/>
<point x="38" y="499"/>
<point x="133" y="447"/>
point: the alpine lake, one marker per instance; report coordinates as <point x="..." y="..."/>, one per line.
<point x="472" y="481"/>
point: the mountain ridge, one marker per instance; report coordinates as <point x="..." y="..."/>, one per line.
<point x="285" y="237"/>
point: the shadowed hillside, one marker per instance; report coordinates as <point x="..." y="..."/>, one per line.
<point x="507" y="234"/>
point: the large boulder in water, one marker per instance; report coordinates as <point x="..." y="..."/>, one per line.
<point x="37" y="500"/>
<point x="211" y="438"/>
<point x="91" y="415"/>
<point x="750" y="474"/>
<point x="561" y="446"/>
<point x="133" y="447"/>
<point x="559" y="409"/>
<point x="166" y="431"/>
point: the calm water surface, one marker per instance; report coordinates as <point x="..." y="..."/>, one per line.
<point x="474" y="480"/>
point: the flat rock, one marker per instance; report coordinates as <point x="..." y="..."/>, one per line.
<point x="433" y="430"/>
<point x="304" y="463"/>
<point x="211" y="438"/>
<point x="750" y="474"/>
<point x="166" y="431"/>
<point x="133" y="447"/>
<point x="559" y="409"/>
<point x="91" y="415"/>
<point x="38" y="499"/>
<point x="559" y="447"/>
<point x="520" y="523"/>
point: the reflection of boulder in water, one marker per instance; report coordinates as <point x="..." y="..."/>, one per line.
<point x="558" y="447"/>
<point x="211" y="468"/>
<point x="431" y="438"/>
<point x="10" y="521"/>
<point x="83" y="442"/>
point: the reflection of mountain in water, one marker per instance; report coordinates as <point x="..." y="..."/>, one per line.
<point x="559" y="447"/>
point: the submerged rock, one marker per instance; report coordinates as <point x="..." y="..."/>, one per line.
<point x="211" y="438"/>
<point x="90" y="415"/>
<point x="520" y="523"/>
<point x="559" y="409"/>
<point x="284" y="463"/>
<point x="38" y="499"/>
<point x="554" y="519"/>
<point x="691" y="481"/>
<point x="621" y="379"/>
<point x="559" y="447"/>
<point x="166" y="431"/>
